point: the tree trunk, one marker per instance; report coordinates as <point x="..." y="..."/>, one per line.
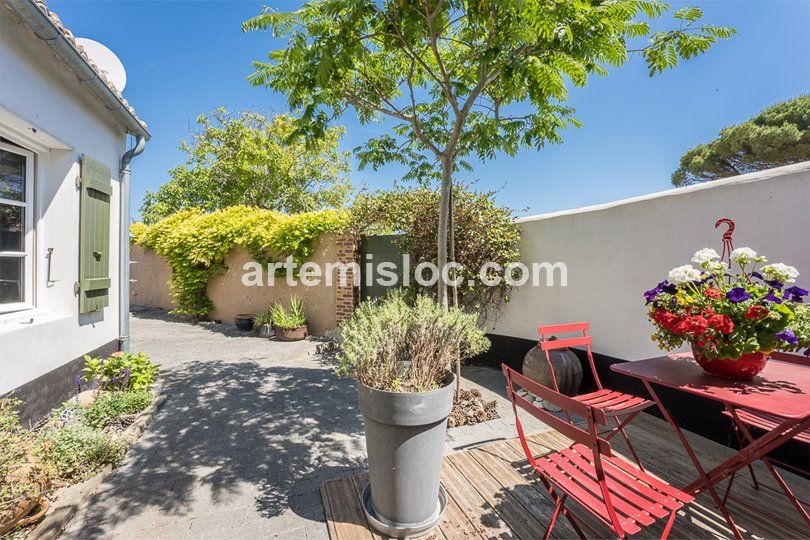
<point x="452" y="240"/>
<point x="444" y="214"/>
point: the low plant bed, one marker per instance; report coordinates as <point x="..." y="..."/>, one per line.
<point x="85" y="435"/>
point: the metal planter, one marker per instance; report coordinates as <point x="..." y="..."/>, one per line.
<point x="405" y="435"/>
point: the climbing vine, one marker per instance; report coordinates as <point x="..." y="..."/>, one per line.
<point x="196" y="244"/>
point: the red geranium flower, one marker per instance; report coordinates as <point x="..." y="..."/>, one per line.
<point x="697" y="324"/>
<point x="756" y="312"/>
<point x="722" y="323"/>
<point x="713" y="292"/>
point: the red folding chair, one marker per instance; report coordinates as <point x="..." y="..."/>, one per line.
<point x="743" y="420"/>
<point x="620" y="496"/>
<point x="612" y="403"/>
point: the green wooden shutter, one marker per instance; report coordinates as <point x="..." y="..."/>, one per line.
<point x="94" y="244"/>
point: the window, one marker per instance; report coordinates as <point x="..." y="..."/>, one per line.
<point x="16" y="232"/>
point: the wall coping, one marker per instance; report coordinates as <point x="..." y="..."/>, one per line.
<point x="714" y="184"/>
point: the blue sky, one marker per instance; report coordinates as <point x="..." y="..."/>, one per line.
<point x="184" y="58"/>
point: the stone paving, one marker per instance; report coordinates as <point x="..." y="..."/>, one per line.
<point x="251" y="429"/>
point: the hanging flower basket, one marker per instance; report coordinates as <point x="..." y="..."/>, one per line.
<point x="732" y="318"/>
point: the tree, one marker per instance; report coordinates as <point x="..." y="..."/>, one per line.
<point x="249" y="160"/>
<point x="486" y="233"/>
<point x="458" y="78"/>
<point x="779" y="135"/>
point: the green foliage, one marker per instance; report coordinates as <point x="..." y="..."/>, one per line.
<point x="483" y="232"/>
<point x="779" y="135"/>
<point x="292" y="318"/>
<point x="196" y="244"/>
<point x="249" y="160"/>
<point x="447" y="70"/>
<point x="110" y="406"/>
<point x="458" y="78"/>
<point x="76" y="450"/>
<point x="262" y="319"/>
<point x="392" y="345"/>
<point x="16" y="445"/>
<point x="121" y="371"/>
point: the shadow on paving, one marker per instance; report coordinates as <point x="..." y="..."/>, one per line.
<point x="235" y="431"/>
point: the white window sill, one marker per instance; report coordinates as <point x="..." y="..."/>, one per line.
<point x="29" y="317"/>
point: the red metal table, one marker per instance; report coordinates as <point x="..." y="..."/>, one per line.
<point x="782" y="389"/>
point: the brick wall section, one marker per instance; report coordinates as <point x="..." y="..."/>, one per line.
<point x="347" y="296"/>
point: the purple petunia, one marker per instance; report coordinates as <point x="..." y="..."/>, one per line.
<point x="788" y="336"/>
<point x="664" y="287"/>
<point x="737" y="295"/>
<point x="773" y="283"/>
<point x="795" y="294"/>
<point x="771" y="297"/>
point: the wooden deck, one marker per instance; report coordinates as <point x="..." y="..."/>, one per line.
<point x="493" y="493"/>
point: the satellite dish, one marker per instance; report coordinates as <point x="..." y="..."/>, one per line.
<point x="106" y="61"/>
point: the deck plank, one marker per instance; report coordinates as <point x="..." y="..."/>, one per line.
<point x="493" y="493"/>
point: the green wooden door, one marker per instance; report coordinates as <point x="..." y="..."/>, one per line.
<point x="382" y="248"/>
<point x="94" y="242"/>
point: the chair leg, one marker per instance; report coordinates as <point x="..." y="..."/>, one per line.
<point x="669" y="525"/>
<point x="629" y="444"/>
<point x="554" y="516"/>
<point x="565" y="512"/>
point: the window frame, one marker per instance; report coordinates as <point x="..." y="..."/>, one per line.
<point x="28" y="255"/>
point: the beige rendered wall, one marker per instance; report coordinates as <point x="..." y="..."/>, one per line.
<point x="230" y="297"/>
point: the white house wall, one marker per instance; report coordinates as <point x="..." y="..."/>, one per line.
<point x="44" y="108"/>
<point x="615" y="252"/>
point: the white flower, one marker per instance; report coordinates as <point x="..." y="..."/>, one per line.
<point x="704" y="256"/>
<point x="744" y="255"/>
<point x="716" y="267"/>
<point x="683" y="274"/>
<point x="780" y="272"/>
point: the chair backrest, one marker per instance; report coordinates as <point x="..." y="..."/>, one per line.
<point x="791" y="358"/>
<point x="592" y="415"/>
<point x="547" y="344"/>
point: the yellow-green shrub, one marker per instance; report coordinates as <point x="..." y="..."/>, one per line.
<point x="196" y="244"/>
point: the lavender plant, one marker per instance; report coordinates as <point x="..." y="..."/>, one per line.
<point x="395" y="346"/>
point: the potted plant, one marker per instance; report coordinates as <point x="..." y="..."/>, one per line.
<point x="263" y="324"/>
<point x="290" y="325"/>
<point x="401" y="355"/>
<point x="733" y="320"/>
<point x="244" y="322"/>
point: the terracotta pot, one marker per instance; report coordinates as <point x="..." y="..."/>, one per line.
<point x="744" y="368"/>
<point x="291" y="334"/>
<point x="244" y="322"/>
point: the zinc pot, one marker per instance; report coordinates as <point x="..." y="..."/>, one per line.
<point x="405" y="435"/>
<point x="743" y="368"/>
<point x="263" y="330"/>
<point x="291" y="334"/>
<point x="244" y="322"/>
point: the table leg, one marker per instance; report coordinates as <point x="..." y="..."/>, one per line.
<point x="785" y="488"/>
<point x="705" y="481"/>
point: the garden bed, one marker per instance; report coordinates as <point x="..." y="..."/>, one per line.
<point x="50" y="470"/>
